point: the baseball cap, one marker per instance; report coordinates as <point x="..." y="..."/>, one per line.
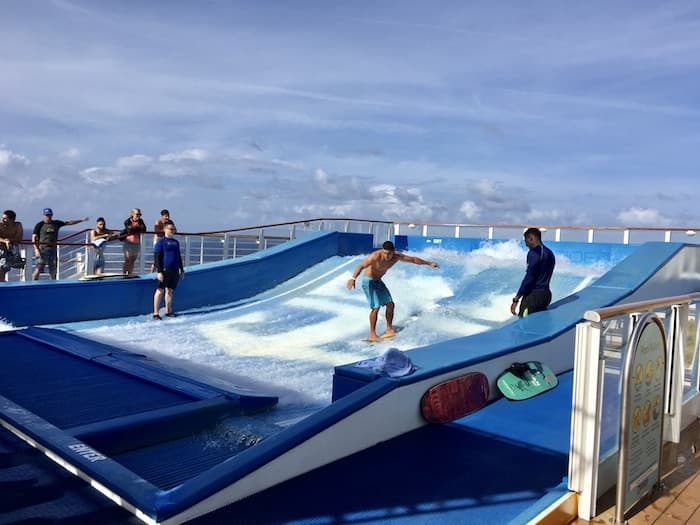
<point x="48" y="211"/>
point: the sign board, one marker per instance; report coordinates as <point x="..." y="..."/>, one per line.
<point x="641" y="422"/>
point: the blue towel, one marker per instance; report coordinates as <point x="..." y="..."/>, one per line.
<point x="393" y="363"/>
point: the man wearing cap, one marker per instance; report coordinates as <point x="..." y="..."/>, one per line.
<point x="45" y="241"/>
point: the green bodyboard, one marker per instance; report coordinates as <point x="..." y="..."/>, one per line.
<point x="525" y="380"/>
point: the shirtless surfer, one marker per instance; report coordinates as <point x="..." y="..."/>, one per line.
<point x="375" y="265"/>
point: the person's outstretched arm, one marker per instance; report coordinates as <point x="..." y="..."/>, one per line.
<point x="417" y="260"/>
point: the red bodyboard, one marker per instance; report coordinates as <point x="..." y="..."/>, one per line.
<point x="455" y="398"/>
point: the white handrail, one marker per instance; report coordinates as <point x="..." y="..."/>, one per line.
<point x="270" y="234"/>
<point x="601" y="314"/>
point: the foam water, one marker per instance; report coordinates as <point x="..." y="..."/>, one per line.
<point x="287" y="340"/>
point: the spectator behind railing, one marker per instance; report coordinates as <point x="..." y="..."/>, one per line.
<point x="159" y="230"/>
<point x="11" y="233"/>
<point x="159" y="226"/>
<point x="131" y="237"/>
<point x="45" y="240"/>
<point x="98" y="237"/>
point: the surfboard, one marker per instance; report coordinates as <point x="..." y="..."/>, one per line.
<point x="385" y="337"/>
<point x="99" y="276"/>
<point x="525" y="380"/>
<point x="455" y="398"/>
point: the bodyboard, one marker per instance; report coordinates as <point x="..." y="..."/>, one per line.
<point x="455" y="398"/>
<point x="525" y="380"/>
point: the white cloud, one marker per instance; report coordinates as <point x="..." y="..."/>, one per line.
<point x="470" y="210"/>
<point x="642" y="217"/>
<point x="103" y="176"/>
<point x="71" y="153"/>
<point x="544" y="216"/>
<point x="487" y="188"/>
<point x="195" y="154"/>
<point x="9" y="159"/>
<point x="135" y="162"/>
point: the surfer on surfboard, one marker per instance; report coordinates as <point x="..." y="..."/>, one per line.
<point x="373" y="268"/>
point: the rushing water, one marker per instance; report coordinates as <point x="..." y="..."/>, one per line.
<point x="287" y="340"/>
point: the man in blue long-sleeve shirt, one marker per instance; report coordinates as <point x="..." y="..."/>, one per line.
<point x="534" y="290"/>
<point x="168" y="262"/>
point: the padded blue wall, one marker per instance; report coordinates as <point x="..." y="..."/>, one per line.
<point x="46" y="302"/>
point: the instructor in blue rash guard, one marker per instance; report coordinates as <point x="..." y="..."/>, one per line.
<point x="534" y="290"/>
<point x="168" y="263"/>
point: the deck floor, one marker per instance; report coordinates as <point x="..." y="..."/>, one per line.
<point x="678" y="502"/>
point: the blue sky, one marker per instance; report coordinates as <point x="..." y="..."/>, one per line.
<point x="236" y="113"/>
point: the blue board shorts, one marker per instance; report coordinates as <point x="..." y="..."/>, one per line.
<point x="376" y="292"/>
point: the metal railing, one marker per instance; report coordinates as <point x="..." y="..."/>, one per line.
<point x="76" y="254"/>
<point x="602" y="340"/>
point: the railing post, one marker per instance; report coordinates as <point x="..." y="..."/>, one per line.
<point x="457" y="231"/>
<point x="28" y="264"/>
<point x="584" y="451"/>
<point x="58" y="263"/>
<point x="425" y="230"/>
<point x="142" y="256"/>
<point x="667" y="236"/>
<point x="557" y="235"/>
<point x="590" y="236"/>
<point x="224" y="248"/>
<point x="89" y="254"/>
<point x="186" y="258"/>
<point x="626" y="237"/>
<point x="678" y="327"/>
<point x="490" y="235"/>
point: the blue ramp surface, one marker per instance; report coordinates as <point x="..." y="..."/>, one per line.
<point x="113" y="417"/>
